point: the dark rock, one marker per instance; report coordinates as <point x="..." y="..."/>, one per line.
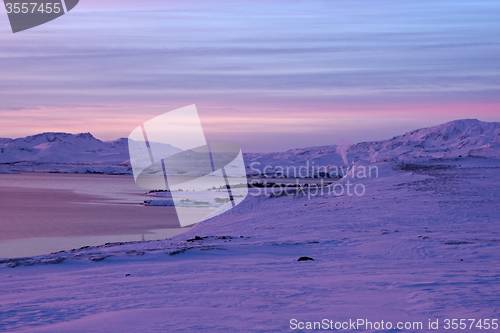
<point x="304" y="259"/>
<point x="173" y="253"/>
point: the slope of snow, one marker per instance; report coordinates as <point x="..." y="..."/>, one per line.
<point x="467" y="137"/>
<point x="422" y="244"/>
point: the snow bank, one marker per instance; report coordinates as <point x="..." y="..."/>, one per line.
<point x="418" y="245"/>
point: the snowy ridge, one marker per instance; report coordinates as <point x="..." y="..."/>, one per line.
<point x="63" y="152"/>
<point x="466" y="138"/>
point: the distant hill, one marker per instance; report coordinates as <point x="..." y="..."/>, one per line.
<point x="64" y="152"/>
<point x="467" y="137"/>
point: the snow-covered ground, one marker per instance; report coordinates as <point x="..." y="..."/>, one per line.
<point x="422" y="243"/>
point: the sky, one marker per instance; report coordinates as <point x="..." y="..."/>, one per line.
<point x="267" y="75"/>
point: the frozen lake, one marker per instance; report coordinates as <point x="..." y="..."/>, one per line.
<point x="46" y="212"/>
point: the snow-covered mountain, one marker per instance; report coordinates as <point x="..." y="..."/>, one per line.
<point x="82" y="153"/>
<point x="467" y="137"/>
<point x="64" y="152"/>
